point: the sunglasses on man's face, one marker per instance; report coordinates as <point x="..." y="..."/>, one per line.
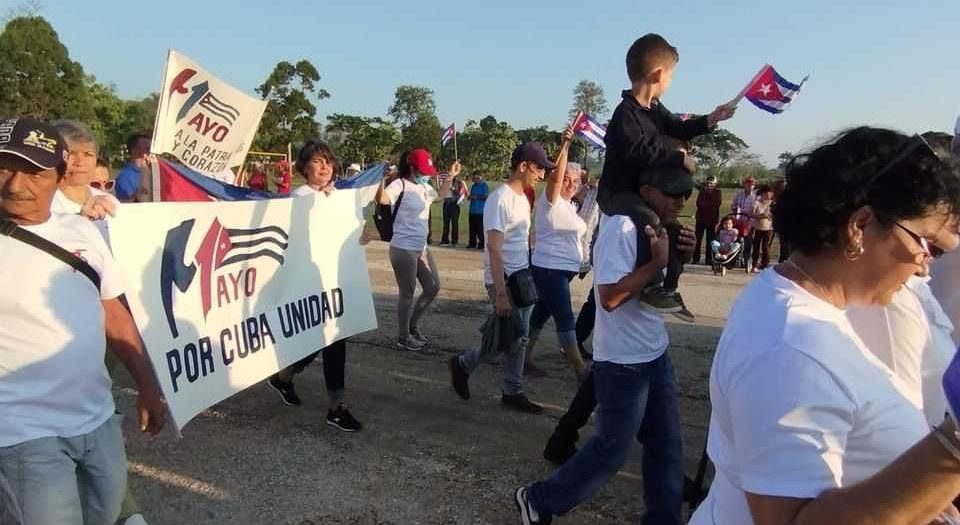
<point x="103" y="186"/>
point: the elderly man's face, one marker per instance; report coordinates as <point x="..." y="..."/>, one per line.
<point x="25" y="190"/>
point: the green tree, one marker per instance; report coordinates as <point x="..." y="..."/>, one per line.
<point x="410" y="104"/>
<point x="414" y="110"/>
<point x="487" y="145"/>
<point x="115" y="119"/>
<point x="714" y="151"/>
<point x="784" y="159"/>
<point x="37" y="76"/>
<point x="290" y="116"/>
<point x="362" y="139"/>
<point x="588" y="97"/>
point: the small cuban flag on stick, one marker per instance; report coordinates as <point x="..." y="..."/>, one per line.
<point x="450" y="134"/>
<point x="769" y="91"/>
<point x="588" y="128"/>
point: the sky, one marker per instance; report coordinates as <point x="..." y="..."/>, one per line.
<point x="878" y="62"/>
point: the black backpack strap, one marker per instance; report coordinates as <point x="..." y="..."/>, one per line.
<point x="12" y="230"/>
<point x="396" y="207"/>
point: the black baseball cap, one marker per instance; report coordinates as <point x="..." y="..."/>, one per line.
<point x="671" y="181"/>
<point x="33" y="140"/>
<point x="531" y="152"/>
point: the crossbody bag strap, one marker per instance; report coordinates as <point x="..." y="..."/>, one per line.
<point x="12" y="230"/>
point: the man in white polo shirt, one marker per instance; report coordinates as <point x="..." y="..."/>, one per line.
<point x="634" y="383"/>
<point x="61" y="446"/>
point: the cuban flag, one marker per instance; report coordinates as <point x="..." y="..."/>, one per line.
<point x="771" y="92"/>
<point x="588" y="128"/>
<point x="180" y="183"/>
<point x="448" y="135"/>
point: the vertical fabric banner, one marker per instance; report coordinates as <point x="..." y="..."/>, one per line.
<point x="227" y="293"/>
<point x="201" y="120"/>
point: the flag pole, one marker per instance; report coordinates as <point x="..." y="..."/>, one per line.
<point x="456" y="155"/>
<point x="736" y="100"/>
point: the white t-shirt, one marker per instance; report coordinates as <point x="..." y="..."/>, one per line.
<point x="410" y="227"/>
<point x="911" y="336"/>
<point x="632" y="333"/>
<point x="61" y="204"/>
<point x="800" y="405"/>
<point x="558" y="231"/>
<point x="945" y="283"/>
<point x="508" y="212"/>
<point x="53" y="381"/>
<point x="306" y="189"/>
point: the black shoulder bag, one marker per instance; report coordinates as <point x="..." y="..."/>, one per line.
<point x="384" y="215"/>
<point x="12" y="230"/>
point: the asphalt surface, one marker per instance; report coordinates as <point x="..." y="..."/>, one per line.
<point x="424" y="456"/>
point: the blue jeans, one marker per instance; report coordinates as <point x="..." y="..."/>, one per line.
<point x="553" y="287"/>
<point x="632" y="400"/>
<point x="512" y="360"/>
<point x="81" y="479"/>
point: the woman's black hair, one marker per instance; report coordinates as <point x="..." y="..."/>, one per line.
<point x="404" y="168"/>
<point x="827" y="185"/>
<point x="312" y="149"/>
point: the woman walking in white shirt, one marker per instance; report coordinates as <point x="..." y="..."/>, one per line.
<point x="557" y="259"/>
<point x="409" y="256"/>
<point x="808" y="426"/>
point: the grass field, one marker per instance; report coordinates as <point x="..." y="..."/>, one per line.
<point x="436" y="217"/>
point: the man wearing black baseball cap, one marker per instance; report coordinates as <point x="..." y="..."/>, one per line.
<point x="506" y="223"/>
<point x="62" y="445"/>
<point x="631" y="382"/>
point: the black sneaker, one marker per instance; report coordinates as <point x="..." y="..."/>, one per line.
<point x="342" y="419"/>
<point x="286" y="391"/>
<point x="660" y="300"/>
<point x="458" y="378"/>
<point x="558" y="450"/>
<point x="528" y="514"/>
<point x="521" y="403"/>
<point x="683" y="314"/>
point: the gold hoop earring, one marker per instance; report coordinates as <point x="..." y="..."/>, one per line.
<point x="854" y="251"/>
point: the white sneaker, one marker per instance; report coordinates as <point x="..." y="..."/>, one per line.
<point x="136" y="519"/>
<point x="409" y="343"/>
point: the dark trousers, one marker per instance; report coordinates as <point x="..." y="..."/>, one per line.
<point x="334" y="365"/>
<point x="784" y="249"/>
<point x="634" y="402"/>
<point x="747" y="248"/>
<point x="707" y="230"/>
<point x="633" y="206"/>
<point x="475" y="239"/>
<point x="762" y="240"/>
<point x="451" y="222"/>
<point x="586" y="320"/>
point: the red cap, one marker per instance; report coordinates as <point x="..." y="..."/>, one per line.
<point x="420" y="159"/>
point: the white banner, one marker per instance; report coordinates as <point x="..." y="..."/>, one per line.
<point x="203" y="121"/>
<point x="227" y="293"/>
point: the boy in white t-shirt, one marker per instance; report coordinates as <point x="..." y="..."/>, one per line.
<point x="632" y="377"/>
<point x="506" y="223"/>
<point x="61" y="445"/>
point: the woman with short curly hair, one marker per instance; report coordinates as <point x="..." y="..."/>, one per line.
<point x="808" y="427"/>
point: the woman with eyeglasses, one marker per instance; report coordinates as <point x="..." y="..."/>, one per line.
<point x="101" y="176"/>
<point x="808" y="425"/>
<point x="77" y="187"/>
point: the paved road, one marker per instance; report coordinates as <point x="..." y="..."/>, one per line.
<point x="425" y="456"/>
